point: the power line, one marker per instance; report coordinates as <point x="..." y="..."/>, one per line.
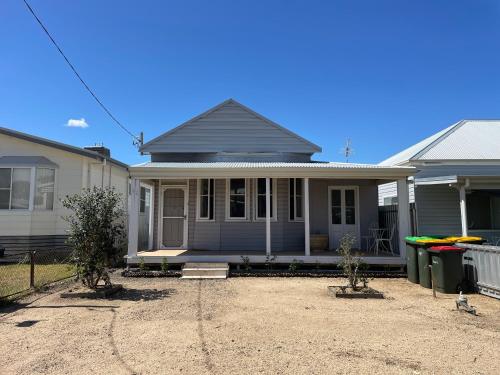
<point x="137" y="140"/>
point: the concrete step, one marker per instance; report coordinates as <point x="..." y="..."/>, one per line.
<point x="205" y="271"/>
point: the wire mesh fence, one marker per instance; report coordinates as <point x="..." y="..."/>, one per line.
<point x="23" y="272"/>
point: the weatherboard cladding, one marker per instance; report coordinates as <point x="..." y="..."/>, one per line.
<point x="229" y="127"/>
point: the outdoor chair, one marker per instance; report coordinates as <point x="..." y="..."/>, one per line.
<point x="383" y="237"/>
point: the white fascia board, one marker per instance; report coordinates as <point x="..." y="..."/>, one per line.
<point x="358" y="173"/>
<point x="441" y="180"/>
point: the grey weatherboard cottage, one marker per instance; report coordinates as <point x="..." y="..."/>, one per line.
<point x="231" y="183"/>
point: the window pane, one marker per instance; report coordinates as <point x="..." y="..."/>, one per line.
<point x="298" y="184"/>
<point x="20" y="188"/>
<point x="261" y="206"/>
<point x="204" y="206"/>
<point x="211" y="198"/>
<point x="336" y="215"/>
<point x="44" y="196"/>
<point x="211" y="186"/>
<point x="147" y="199"/>
<point x="350" y="215"/>
<point x="5" y="178"/>
<point x="4" y="199"/>
<point x="237" y="206"/>
<point x="299" y="207"/>
<point x="142" y="207"/>
<point x="479" y="210"/>
<point x="349" y="198"/>
<point x="335" y="197"/>
<point x="261" y="186"/>
<point x="204" y="186"/>
<point x="292" y="208"/>
<point x="237" y="186"/>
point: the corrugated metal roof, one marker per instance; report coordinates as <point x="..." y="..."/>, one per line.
<point x="410" y="152"/>
<point x="465" y="140"/>
<point x="472" y="140"/>
<point x="243" y="165"/>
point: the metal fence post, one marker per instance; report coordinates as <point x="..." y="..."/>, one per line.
<point x="32" y="269"/>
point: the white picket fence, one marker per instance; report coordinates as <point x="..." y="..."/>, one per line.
<point x="482" y="268"/>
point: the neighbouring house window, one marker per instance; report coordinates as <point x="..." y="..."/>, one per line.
<point x="15" y="188"/>
<point x="44" y="188"/>
<point x="237" y="198"/>
<point x="390" y="201"/>
<point x="206" y="199"/>
<point x="145" y="199"/>
<point x="483" y="209"/>
<point x="296" y="199"/>
<point x="260" y="192"/>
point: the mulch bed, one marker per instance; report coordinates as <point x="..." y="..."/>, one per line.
<point x="150" y="273"/>
<point x="348" y="292"/>
<point x="308" y="273"/>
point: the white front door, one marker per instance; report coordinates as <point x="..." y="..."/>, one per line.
<point x="174" y="218"/>
<point x="343" y="207"/>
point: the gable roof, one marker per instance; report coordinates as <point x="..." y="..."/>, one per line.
<point x="229" y="127"/>
<point x="465" y="140"/>
<point x="59" y="146"/>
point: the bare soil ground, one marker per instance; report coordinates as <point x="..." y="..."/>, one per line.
<point x="250" y="326"/>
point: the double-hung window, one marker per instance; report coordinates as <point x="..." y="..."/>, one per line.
<point x="260" y="198"/>
<point x="236" y="199"/>
<point x="206" y="199"/>
<point x="15" y="188"/>
<point x="44" y="192"/>
<point x="296" y="199"/>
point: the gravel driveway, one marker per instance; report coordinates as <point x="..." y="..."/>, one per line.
<point x="250" y="326"/>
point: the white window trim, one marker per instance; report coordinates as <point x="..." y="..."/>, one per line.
<point x="295" y="219"/>
<point x="274" y="217"/>
<point x="228" y="211"/>
<point x="198" y="192"/>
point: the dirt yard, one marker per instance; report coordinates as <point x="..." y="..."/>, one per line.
<point x="250" y="326"/>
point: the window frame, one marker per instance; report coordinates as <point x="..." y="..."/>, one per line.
<point x="295" y="219"/>
<point x="228" y="200"/>
<point x="491" y="217"/>
<point x="274" y="216"/>
<point x="198" y="198"/>
<point x="31" y="191"/>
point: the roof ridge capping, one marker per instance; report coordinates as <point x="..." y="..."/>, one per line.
<point x="245" y="108"/>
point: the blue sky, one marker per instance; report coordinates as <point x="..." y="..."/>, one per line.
<point x="383" y="73"/>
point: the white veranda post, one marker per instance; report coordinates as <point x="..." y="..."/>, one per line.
<point x="463" y="210"/>
<point x="133" y="216"/>
<point x="268" y="216"/>
<point x="307" y="232"/>
<point x="403" y="215"/>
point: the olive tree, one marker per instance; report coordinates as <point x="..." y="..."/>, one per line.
<point x="96" y="232"/>
<point x="352" y="265"/>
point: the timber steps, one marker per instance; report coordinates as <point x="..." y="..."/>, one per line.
<point x="205" y="271"/>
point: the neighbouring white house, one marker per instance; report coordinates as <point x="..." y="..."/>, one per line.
<point x="35" y="175"/>
<point x="457" y="187"/>
<point x="230" y="184"/>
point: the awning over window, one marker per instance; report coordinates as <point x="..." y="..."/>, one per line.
<point x="26" y="161"/>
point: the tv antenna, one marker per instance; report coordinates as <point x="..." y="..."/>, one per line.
<point x="347" y="150"/>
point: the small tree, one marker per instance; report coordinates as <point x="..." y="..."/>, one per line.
<point x="352" y="266"/>
<point x="96" y="231"/>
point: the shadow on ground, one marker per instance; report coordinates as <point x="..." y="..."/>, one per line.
<point x="130" y="294"/>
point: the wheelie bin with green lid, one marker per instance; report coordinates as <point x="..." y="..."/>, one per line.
<point x="447" y="268"/>
<point x="412" y="257"/>
<point x="424" y="259"/>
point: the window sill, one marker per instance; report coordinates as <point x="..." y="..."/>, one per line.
<point x="201" y="220"/>
<point x="237" y="220"/>
<point x="263" y="219"/>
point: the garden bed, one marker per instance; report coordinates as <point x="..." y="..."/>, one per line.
<point x="348" y="292"/>
<point x="309" y="273"/>
<point x="150" y="273"/>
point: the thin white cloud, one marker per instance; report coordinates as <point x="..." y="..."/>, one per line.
<point x="75" y="123"/>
